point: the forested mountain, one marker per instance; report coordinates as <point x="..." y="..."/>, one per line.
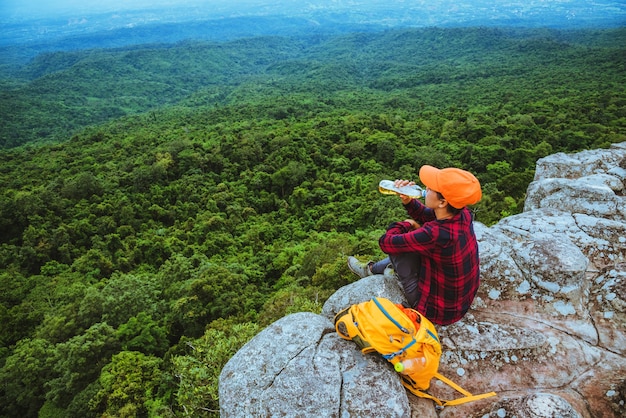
<point x="162" y="203"/>
<point x="60" y="92"/>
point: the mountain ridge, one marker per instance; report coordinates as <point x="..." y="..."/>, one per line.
<point x="57" y="93"/>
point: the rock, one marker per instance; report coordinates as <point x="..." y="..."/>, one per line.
<point x="537" y="405"/>
<point x="547" y="330"/>
<point x="575" y="196"/>
<point x="589" y="182"/>
<point x="584" y="163"/>
<point x="299" y="367"/>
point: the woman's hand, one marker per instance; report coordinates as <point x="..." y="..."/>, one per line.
<point x="401" y="183"/>
<point x="414" y="224"/>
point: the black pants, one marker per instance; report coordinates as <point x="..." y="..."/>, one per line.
<point x="407" y="267"/>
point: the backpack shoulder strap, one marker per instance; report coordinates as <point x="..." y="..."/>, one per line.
<point x="389" y="317"/>
<point x="403" y="329"/>
<point x="468" y="397"/>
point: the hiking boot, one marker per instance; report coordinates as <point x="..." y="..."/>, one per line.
<point x="360" y="268"/>
<point x="390" y="273"/>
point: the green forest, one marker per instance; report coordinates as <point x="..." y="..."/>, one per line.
<point x="163" y="203"/>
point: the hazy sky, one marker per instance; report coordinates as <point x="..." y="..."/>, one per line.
<point x="23" y="8"/>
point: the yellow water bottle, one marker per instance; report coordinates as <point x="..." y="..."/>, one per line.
<point x="388" y="187"/>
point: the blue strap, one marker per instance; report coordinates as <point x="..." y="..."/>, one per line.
<point x="432" y="335"/>
<point x="401" y="351"/>
<point x="389" y="317"/>
<point x="400" y="327"/>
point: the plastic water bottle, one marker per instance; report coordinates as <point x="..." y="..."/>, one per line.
<point x="388" y="187"/>
<point x="410" y="365"/>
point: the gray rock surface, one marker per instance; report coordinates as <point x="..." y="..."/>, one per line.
<point x="299" y="367"/>
<point x="547" y="330"/>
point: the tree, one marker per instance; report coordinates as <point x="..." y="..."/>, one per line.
<point x="217" y="292"/>
<point x="127" y="295"/>
<point x="23" y="377"/>
<point x="288" y="177"/>
<point x="19" y="314"/>
<point x="292" y="299"/>
<point x="142" y="333"/>
<point x="198" y="371"/>
<point x="128" y="383"/>
<point x="77" y="362"/>
<point x="82" y="186"/>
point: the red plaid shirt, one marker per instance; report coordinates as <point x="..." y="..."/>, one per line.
<point x="449" y="271"/>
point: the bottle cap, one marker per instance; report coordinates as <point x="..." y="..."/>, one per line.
<point x="399" y="367"/>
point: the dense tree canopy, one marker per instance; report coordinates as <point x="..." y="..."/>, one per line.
<point x="157" y="199"/>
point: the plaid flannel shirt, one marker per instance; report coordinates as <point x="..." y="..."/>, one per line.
<point x="449" y="270"/>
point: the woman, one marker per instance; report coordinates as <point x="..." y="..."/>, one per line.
<point x="434" y="253"/>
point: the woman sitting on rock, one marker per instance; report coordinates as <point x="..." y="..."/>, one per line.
<point x="434" y="253"/>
